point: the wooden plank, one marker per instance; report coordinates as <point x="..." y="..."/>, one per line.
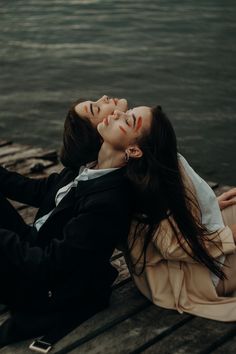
<point x="24" y="153"/>
<point x="121" y="266"/>
<point x="17" y="205"/>
<point x="12" y="149"/>
<point x="116" y="313"/>
<point x="30" y="166"/>
<point x="195" y="337"/>
<point x="229" y="347"/>
<point x="4" y="142"/>
<point x="116" y="254"/>
<point x="134" y="332"/>
<point x="28" y="214"/>
<point x="56" y="168"/>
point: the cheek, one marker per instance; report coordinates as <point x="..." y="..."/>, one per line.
<point x="122" y="130"/>
<point x="108" y="110"/>
<point x="97" y="118"/>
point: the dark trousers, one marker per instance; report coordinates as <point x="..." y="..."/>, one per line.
<point x="26" y="322"/>
<point x="10" y="219"/>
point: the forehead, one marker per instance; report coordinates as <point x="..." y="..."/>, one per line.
<point x="145" y="113"/>
<point x="82" y="108"/>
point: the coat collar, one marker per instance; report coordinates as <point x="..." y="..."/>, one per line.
<point x="106" y="182"/>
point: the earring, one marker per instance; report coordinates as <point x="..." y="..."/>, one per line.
<point x="126" y="157"/>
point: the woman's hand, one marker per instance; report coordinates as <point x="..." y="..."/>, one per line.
<point x="227" y="198"/>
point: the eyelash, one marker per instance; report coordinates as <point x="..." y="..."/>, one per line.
<point x="127" y="122"/>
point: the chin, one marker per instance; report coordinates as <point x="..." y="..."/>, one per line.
<point x="123" y="105"/>
<point x="100" y="128"/>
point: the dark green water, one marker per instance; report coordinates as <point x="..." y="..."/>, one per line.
<point x="180" y="54"/>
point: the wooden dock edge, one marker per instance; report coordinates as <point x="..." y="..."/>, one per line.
<point x="131" y="324"/>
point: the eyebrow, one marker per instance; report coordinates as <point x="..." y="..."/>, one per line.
<point x="91" y="109"/>
<point x="134" y="118"/>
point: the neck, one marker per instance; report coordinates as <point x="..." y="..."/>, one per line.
<point x="109" y="158"/>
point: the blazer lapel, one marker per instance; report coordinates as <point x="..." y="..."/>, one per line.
<point x="65" y="203"/>
<point x="49" y="203"/>
<point x="110" y="180"/>
<point x="88" y="187"/>
<point x="64" y="206"/>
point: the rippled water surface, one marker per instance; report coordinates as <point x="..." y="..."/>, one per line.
<point x="180" y="54"/>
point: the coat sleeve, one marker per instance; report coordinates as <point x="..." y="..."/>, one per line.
<point x="92" y="233"/>
<point x="216" y="243"/>
<point x="23" y="189"/>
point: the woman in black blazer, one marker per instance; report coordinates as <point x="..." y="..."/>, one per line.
<point x="60" y="272"/>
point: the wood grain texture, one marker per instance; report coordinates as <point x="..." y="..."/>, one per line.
<point x="135" y="331"/>
<point x="4" y="142"/>
<point x="194" y="337"/>
<point x="16" y="153"/>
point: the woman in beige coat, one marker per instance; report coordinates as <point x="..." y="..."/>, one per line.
<point x="181" y="248"/>
<point x="181" y="270"/>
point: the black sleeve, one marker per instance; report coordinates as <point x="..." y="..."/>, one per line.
<point x="93" y="232"/>
<point x="23" y="189"/>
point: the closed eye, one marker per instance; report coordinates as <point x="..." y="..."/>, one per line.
<point x="127" y="121"/>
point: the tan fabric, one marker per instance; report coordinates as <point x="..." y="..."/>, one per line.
<point x="172" y="279"/>
<point x="227" y="287"/>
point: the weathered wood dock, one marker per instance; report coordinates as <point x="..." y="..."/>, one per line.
<point x="131" y="324"/>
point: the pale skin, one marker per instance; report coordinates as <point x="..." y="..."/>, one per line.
<point x="118" y="127"/>
<point x="110" y="116"/>
<point x="225" y="200"/>
<point x="96" y="111"/>
<point x="120" y="132"/>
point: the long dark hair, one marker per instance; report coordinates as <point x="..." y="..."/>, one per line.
<point x="81" y="141"/>
<point x="161" y="194"/>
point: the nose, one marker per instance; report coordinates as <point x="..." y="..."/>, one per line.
<point x="105" y="98"/>
<point x="102" y="99"/>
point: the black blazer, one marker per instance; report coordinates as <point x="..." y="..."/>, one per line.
<point x="66" y="263"/>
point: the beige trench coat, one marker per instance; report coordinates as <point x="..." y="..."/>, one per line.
<point x="173" y="280"/>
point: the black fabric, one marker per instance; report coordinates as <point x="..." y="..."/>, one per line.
<point x="11" y="219"/>
<point x="65" y="265"/>
<point x="3" y="309"/>
<point x="24" y="325"/>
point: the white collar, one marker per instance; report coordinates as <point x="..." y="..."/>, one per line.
<point x="87" y="172"/>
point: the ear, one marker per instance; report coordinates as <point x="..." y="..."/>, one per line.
<point x="134" y="152"/>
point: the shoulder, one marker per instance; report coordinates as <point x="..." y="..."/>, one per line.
<point x="111" y="196"/>
<point x="199" y="183"/>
